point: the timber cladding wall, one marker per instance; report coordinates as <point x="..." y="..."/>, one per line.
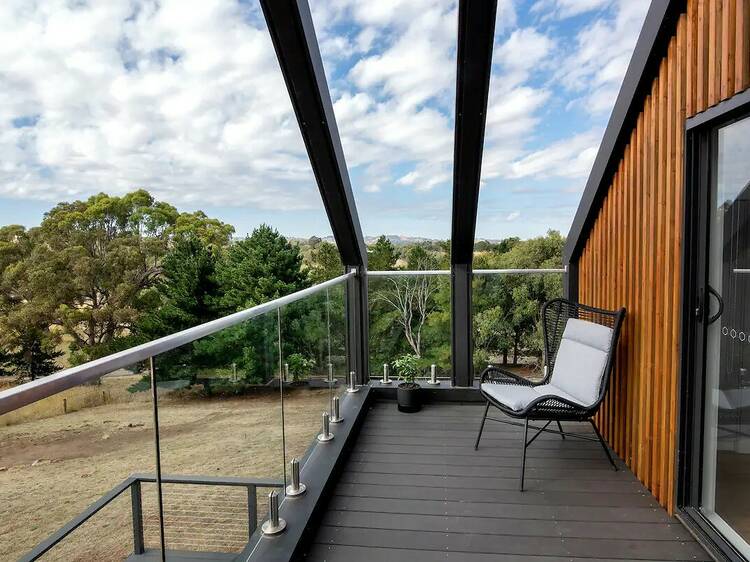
<point x="632" y="256"/>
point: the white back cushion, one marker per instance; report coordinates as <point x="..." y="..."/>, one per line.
<point x="581" y="360"/>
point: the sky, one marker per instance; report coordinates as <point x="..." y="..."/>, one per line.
<point x="190" y="103"/>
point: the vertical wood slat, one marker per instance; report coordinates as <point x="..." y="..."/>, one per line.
<point x="633" y="255"/>
<point x="742" y="46"/>
<point x="728" y="30"/>
<point x="714" y="51"/>
<point x="701" y="65"/>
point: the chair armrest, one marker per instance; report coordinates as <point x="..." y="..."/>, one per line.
<point x="496" y="375"/>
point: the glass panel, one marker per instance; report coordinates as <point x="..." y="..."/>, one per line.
<point x="410" y="315"/>
<point x="308" y="360"/>
<point x="220" y="420"/>
<point x="726" y="468"/>
<point x="391" y="72"/>
<point x="61" y="454"/>
<point x="507" y="322"/>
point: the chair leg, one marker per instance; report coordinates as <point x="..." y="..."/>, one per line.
<point x="481" y="427"/>
<point x="523" y="456"/>
<point x="604" y="445"/>
<point x="562" y="434"/>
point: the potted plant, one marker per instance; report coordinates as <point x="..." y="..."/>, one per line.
<point x="407" y="369"/>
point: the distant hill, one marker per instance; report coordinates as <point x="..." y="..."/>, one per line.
<point x="395" y="239"/>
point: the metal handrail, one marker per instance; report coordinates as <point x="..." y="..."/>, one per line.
<point x="519" y="271"/>
<point x="30" y="392"/>
<point x="403" y="272"/>
<point x="135" y="480"/>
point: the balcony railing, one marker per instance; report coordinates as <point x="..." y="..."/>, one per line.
<point x="77" y="441"/>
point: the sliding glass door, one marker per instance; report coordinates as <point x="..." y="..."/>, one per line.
<point x="725" y="325"/>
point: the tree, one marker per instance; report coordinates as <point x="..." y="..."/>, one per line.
<point x="28" y="348"/>
<point x="212" y="233"/>
<point x="262" y="267"/>
<point x="326" y="263"/>
<point x="382" y="255"/>
<point x="411" y="297"/>
<point x="90" y="266"/>
<point x="186" y="293"/>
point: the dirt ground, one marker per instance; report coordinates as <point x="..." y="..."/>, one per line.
<point x="53" y="468"/>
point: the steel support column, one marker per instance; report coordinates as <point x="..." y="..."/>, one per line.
<point x="357" y="320"/>
<point x="570" y="281"/>
<point x="476" y="35"/>
<point x="461" y="324"/>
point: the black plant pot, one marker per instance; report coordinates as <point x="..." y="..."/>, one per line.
<point x="409" y="397"/>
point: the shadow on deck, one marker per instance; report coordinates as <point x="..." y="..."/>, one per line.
<point x="414" y="489"/>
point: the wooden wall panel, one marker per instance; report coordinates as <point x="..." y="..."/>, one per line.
<point x="633" y="252"/>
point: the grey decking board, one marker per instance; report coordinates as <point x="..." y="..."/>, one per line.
<point x="344" y="553"/>
<point x="605" y="474"/>
<point x="502" y="511"/>
<point x="518" y="545"/>
<point x="530" y="497"/>
<point x="490" y="483"/>
<point x="461" y="460"/>
<point x="414" y="489"/>
<point x="508" y="527"/>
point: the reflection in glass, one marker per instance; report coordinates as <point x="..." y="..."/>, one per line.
<point x="726" y="482"/>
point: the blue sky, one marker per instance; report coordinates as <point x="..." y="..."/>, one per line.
<point x="191" y="104"/>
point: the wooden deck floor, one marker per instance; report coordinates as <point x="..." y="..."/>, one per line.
<point x="414" y="489"/>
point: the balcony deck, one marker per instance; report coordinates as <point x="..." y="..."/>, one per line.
<point x="414" y="489"/>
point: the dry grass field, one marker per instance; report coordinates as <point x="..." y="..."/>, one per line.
<point x="53" y="465"/>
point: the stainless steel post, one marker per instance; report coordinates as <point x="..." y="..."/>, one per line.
<point x="386" y="374"/>
<point x="275" y="524"/>
<point x="336" y="411"/>
<point x="296" y="488"/>
<point x="352" y="382"/>
<point x="326" y="435"/>
<point x="433" y="375"/>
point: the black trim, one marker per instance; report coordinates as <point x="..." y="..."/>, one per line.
<point x="476" y="35"/>
<point x="357" y="325"/>
<point x="707" y="536"/>
<point x="320" y="468"/>
<point x="462" y="347"/>
<point x="658" y="29"/>
<point x="700" y="155"/>
<point x="291" y="28"/>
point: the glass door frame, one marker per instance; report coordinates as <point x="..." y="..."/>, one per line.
<point x="701" y="132"/>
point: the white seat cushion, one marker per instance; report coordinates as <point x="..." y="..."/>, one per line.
<point x="514" y="396"/>
<point x="517" y="397"/>
<point x="581" y="360"/>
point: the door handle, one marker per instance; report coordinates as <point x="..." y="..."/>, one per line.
<point x="718" y="314"/>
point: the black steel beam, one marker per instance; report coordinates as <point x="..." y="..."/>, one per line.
<point x="570" y="282"/>
<point x="658" y="28"/>
<point x="357" y="326"/>
<point x="291" y="27"/>
<point x="476" y="34"/>
<point x="462" y="347"/>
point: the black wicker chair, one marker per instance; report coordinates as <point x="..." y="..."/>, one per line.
<point x="572" y="392"/>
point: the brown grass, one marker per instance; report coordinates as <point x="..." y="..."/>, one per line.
<point x="53" y="467"/>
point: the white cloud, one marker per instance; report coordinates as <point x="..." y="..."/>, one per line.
<point x="596" y="66"/>
<point x="561" y="9"/>
<point x="513" y="216"/>
<point x="185" y="102"/>
<point x="569" y="158"/>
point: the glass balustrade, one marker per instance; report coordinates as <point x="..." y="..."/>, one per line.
<point x="178" y="449"/>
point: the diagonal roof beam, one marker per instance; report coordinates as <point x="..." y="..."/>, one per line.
<point x="291" y="27"/>
<point x="476" y="33"/>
